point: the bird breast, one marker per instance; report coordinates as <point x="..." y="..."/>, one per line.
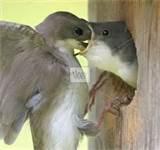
<point x="71" y="99"/>
<point x="100" y="55"/>
<point x="61" y="124"/>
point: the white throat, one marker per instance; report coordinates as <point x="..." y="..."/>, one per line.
<point x="62" y="132"/>
<point x="100" y="55"/>
<point x="67" y="46"/>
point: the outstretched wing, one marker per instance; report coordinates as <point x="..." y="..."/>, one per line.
<point x="16" y="38"/>
<point x="27" y="68"/>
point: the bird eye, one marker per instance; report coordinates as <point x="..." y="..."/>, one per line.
<point x="105" y="32"/>
<point x="78" y="31"/>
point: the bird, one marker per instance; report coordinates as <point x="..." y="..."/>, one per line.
<point x="36" y="66"/>
<point x="112" y="49"/>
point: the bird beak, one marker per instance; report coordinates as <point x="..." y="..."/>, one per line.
<point x="86" y="45"/>
<point x="82" y="45"/>
<point x="82" y="49"/>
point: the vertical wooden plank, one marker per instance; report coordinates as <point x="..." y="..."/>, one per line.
<point x="138" y="128"/>
<point x="141" y="120"/>
<point x="101" y="10"/>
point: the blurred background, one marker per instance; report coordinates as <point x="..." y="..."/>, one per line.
<point x="32" y="13"/>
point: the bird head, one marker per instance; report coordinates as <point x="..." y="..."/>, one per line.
<point x="65" y="30"/>
<point x="112" y="38"/>
<point x="112" y="49"/>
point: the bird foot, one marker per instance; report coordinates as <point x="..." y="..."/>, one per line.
<point x="113" y="107"/>
<point x="86" y="127"/>
<point x="92" y="94"/>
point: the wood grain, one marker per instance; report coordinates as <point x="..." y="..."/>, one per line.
<point x="138" y="127"/>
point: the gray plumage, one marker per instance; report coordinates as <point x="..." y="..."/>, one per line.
<point x="25" y="62"/>
<point x="35" y="82"/>
<point x="113" y="50"/>
<point x="118" y="38"/>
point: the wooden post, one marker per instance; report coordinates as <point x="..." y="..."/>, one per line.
<point x="138" y="127"/>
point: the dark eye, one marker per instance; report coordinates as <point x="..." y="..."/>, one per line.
<point x="105" y="32"/>
<point x="78" y="31"/>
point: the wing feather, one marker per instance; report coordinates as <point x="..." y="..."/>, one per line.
<point x="27" y="65"/>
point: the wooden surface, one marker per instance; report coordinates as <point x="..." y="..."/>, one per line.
<point x="138" y="127"/>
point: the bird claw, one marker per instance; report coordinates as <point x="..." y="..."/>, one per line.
<point x="113" y="107"/>
<point x="86" y="127"/>
<point x="92" y="94"/>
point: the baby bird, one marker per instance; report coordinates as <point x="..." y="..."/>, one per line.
<point x="112" y="49"/>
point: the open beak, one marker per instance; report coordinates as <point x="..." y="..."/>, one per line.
<point x="86" y="45"/>
<point x="81" y="48"/>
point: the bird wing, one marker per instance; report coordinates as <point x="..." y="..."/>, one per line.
<point x="28" y="68"/>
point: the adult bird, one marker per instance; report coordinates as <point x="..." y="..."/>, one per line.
<point x="35" y="71"/>
<point x="112" y="49"/>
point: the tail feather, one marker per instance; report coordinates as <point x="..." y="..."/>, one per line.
<point x="15" y="128"/>
<point x="10" y="132"/>
<point x="3" y="130"/>
<point x="10" y="137"/>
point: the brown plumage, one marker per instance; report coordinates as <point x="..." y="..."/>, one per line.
<point x="28" y="70"/>
<point x="35" y="81"/>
